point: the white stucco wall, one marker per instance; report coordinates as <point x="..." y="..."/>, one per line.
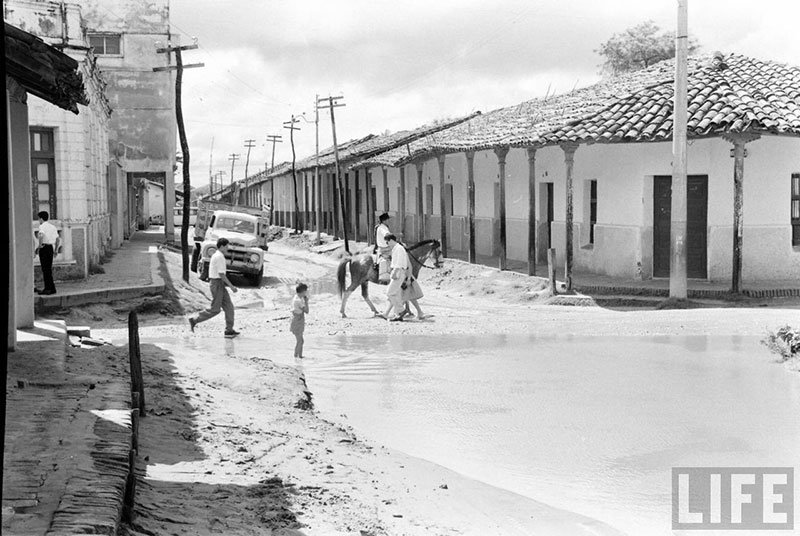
<point x="623" y="245"/>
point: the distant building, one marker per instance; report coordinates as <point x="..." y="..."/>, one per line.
<point x="125" y="37"/>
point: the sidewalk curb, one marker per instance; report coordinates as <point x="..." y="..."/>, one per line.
<point x="63" y="301"/>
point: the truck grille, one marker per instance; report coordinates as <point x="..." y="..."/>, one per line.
<point x="237" y="255"/>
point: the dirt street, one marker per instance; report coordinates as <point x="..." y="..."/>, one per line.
<point x="232" y="444"/>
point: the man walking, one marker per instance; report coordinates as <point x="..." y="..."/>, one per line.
<point x="220" y="299"/>
<point x="48" y="247"/>
<point x="400" y="267"/>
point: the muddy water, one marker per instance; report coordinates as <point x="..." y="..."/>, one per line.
<point x="588" y="424"/>
<point x="592" y="425"/>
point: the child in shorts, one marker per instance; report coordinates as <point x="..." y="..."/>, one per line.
<point x="299" y="310"/>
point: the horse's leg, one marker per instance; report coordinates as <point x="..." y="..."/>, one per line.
<point x="345" y="295"/>
<point x="365" y="295"/>
<point x="355" y="279"/>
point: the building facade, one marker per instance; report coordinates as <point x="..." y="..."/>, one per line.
<point x="72" y="172"/>
<point x="126" y="37"/>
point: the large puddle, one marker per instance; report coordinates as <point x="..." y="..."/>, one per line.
<point x="588" y="424"/>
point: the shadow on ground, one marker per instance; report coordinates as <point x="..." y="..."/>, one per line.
<point x="180" y="487"/>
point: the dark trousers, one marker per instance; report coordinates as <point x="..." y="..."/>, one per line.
<point x="46" y="260"/>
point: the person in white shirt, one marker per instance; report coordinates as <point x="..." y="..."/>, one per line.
<point x="383" y="249"/>
<point x="49" y="243"/>
<point x="219" y="283"/>
<point x="400" y="270"/>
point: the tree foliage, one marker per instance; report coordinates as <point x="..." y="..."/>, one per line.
<point x="638" y="47"/>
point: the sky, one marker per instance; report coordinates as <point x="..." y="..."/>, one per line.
<point x="400" y="64"/>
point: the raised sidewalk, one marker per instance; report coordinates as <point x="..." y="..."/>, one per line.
<point x="68" y="452"/>
<point x="132" y="271"/>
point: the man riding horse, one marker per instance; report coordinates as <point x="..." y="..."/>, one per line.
<point x="382" y="248"/>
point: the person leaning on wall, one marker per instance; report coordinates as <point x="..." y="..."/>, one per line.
<point x="48" y="246"/>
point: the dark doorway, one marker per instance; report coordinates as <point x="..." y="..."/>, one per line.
<point x="697" y="225"/>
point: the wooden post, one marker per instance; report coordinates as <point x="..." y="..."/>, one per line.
<point x="369" y="210"/>
<point x="531" y="210"/>
<point x="442" y="205"/>
<point x="569" y="159"/>
<point x="551" y="270"/>
<point x="420" y="202"/>
<point x="738" y="141"/>
<point x="335" y="208"/>
<point x="135" y="359"/>
<point x="385" y="189"/>
<point x="401" y="204"/>
<point x="353" y="183"/>
<point x="471" y="203"/>
<point x="306" y="218"/>
<point x="501" y="153"/>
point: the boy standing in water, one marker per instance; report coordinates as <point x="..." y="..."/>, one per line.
<point x="299" y="310"/>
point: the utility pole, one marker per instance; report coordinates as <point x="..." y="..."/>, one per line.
<point x="187" y="185"/>
<point x="332" y="102"/>
<point x="678" y="224"/>
<point x="218" y="180"/>
<point x="298" y="226"/>
<point x="249" y="144"/>
<point x="233" y="157"/>
<point x="274" y="139"/>
<point x="317" y="183"/>
<point x="210" y="165"/>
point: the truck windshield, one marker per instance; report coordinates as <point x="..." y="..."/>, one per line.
<point x="236" y="225"/>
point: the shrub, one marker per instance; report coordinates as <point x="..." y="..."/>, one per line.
<point x="785" y="342"/>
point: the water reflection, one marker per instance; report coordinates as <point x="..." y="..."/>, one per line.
<point x="588" y="424"/>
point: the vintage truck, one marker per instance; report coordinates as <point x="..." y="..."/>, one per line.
<point x="246" y="228"/>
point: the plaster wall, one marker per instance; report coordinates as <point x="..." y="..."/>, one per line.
<point x="21" y="286"/>
<point x="143" y="128"/>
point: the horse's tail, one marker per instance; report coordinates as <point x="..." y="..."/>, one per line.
<point x="341" y="272"/>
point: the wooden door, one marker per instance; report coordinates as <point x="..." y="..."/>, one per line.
<point x="697" y="225"/>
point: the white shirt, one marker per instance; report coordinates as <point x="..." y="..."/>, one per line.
<point x="217" y="265"/>
<point x="400" y="257"/>
<point x="48" y="233"/>
<point x="380" y="235"/>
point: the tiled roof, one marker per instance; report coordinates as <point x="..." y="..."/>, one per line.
<point x="730" y="94"/>
<point x="351" y="152"/>
<point x="524" y="123"/>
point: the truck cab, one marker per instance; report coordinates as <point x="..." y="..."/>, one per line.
<point x="247" y="233"/>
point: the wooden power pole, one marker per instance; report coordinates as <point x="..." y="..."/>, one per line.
<point x="678" y="223"/>
<point x="187" y="185"/>
<point x="274" y="139"/>
<point x="298" y="226"/>
<point x="249" y="144"/>
<point x="233" y="157"/>
<point x="332" y="103"/>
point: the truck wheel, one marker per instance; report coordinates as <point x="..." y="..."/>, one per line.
<point x="255" y="280"/>
<point x="195" y="258"/>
